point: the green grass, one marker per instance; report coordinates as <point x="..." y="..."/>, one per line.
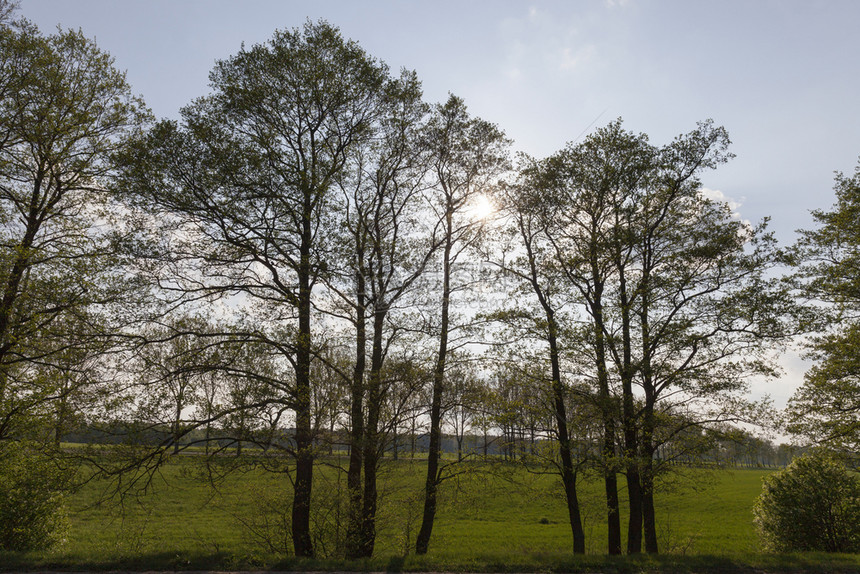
<point x="491" y="518"/>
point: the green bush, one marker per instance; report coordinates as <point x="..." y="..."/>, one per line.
<point x="32" y="513"/>
<point x="812" y="505"/>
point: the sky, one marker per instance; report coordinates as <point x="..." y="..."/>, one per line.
<point x="782" y="76"/>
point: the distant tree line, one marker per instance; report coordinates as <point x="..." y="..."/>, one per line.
<point x="314" y="261"/>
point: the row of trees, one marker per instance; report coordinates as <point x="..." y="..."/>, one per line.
<point x="292" y="267"/>
<point x="657" y="297"/>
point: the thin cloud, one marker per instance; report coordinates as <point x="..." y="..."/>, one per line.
<point x="540" y="39"/>
<point x="733" y="205"/>
<point x="572" y="59"/>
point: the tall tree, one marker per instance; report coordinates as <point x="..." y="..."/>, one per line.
<point x="468" y="155"/>
<point x="706" y="310"/>
<point x="826" y="408"/>
<point x="248" y="180"/>
<point x="600" y="179"/>
<point x="530" y="215"/>
<point x="385" y="248"/>
<point x="64" y="109"/>
<point x="675" y="291"/>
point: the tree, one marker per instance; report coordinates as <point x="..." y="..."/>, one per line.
<point x="673" y="288"/>
<point x="465" y="393"/>
<point x="812" y="505"/>
<point x="593" y="189"/>
<point x="530" y="215"/>
<point x="468" y="154"/>
<point x="64" y="110"/>
<point x="384" y="249"/>
<point x="706" y="310"/>
<point x="173" y="365"/>
<point x="826" y="408"/>
<point x="246" y="184"/>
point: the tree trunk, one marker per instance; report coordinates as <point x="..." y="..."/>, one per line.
<point x="648" y="515"/>
<point x="431" y="483"/>
<point x="649" y="522"/>
<point x="301" y="516"/>
<point x="356" y="437"/>
<point x="607" y="408"/>
<point x="422" y="542"/>
<point x="613" y="518"/>
<point x="628" y="417"/>
<point x="367" y="539"/>
<point x="634" y="496"/>
<point x="568" y="472"/>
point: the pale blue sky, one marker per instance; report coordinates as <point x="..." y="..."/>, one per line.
<point x="782" y="76"/>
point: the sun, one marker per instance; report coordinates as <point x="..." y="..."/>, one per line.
<point x="482" y="208"/>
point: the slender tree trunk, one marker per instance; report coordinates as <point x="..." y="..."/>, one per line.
<point x="568" y="471"/>
<point x="607" y="407"/>
<point x="648" y="515"/>
<point x="431" y="484"/>
<point x="634" y="492"/>
<point x="628" y="418"/>
<point x="301" y="516"/>
<point x="372" y="451"/>
<point x="356" y="437"/>
<point x="649" y="522"/>
<point x="610" y="483"/>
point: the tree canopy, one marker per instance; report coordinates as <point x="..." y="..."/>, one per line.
<point x="64" y="110"/>
<point x="826" y="408"/>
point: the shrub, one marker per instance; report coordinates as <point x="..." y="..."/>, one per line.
<point x="812" y="505"/>
<point x="32" y="515"/>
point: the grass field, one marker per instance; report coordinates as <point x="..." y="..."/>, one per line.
<point x="491" y="518"/>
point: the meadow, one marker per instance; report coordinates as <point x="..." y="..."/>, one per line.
<point x="493" y="517"/>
